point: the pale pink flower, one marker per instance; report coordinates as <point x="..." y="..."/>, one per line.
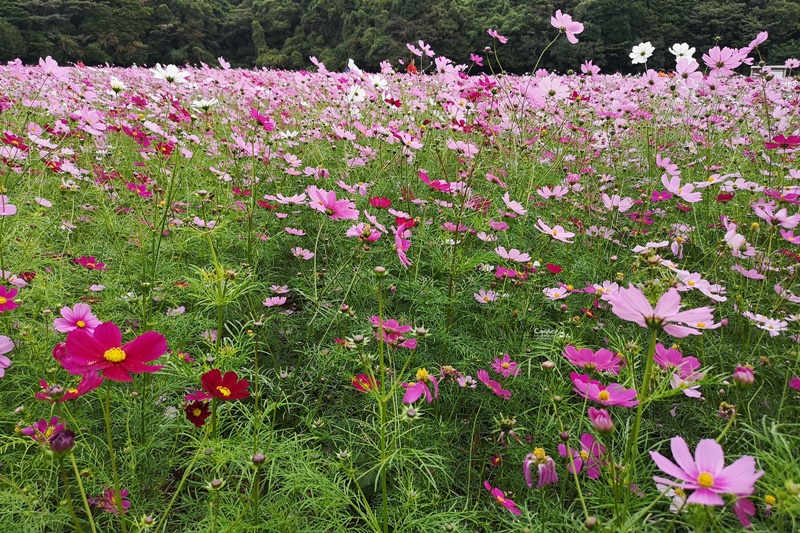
<point x="632" y="305"/>
<point x="485" y="296"/>
<point x="556" y="233"/>
<point x="706" y="474"/>
<point x="326" y="202"/>
<point x="514" y="205"/>
<point x="274" y="301"/>
<point x="512" y="255"/>
<point x="564" y="23"/>
<point x="302" y="253"/>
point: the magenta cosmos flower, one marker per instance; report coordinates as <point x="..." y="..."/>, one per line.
<point x="7" y="302"/>
<point x="590" y="455"/>
<point x="500" y="498"/>
<point x="706" y="473"/>
<point x="494" y="386"/>
<point x="91" y="263"/>
<point x="419" y="388"/>
<point x="505" y="366"/>
<point x="564" y="23"/>
<point x="326" y="202"/>
<point x="545" y="466"/>
<point x="632" y="305"/>
<point x="614" y="394"/>
<point x="108" y="501"/>
<point x="602" y="360"/>
<point x="102" y="351"/>
<point x="79" y="317"/>
<point x="43" y="430"/>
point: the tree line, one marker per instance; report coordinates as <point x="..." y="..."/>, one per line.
<point x="284" y="33"/>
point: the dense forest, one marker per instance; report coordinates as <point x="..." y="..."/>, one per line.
<point x="284" y="33"/>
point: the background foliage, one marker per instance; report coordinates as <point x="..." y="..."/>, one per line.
<point x="284" y="33"/>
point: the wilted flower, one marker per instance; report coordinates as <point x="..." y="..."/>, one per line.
<point x="545" y="466"/>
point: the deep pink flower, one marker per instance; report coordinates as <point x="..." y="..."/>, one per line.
<point x="89" y="382"/>
<point x="564" y="23"/>
<point x="795" y="383"/>
<point x="500" y="497"/>
<point x="505" y="366"/>
<point x="590" y="455"/>
<point x="614" y="394"/>
<point x="79" y="317"/>
<point x="706" y="473"/>
<point x="494" y="386"/>
<point x="102" y="351"/>
<point x="782" y="142"/>
<point x="602" y="361"/>
<point x="416" y="389"/>
<point x="91" y="263"/>
<point x="7" y="302"/>
<point x="43" y="430"/>
<point x="632" y="305"/>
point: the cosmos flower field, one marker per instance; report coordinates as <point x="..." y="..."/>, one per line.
<point x="260" y="300"/>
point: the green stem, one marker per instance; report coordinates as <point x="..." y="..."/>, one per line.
<point x="68" y="494"/>
<point x="117" y="491"/>
<point x="83" y="492"/>
<point x="730" y="422"/>
<point x="186" y="473"/>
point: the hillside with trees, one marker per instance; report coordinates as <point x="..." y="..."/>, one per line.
<point x="284" y="33"/>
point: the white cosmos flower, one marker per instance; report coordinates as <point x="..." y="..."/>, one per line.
<point x="204" y="105"/>
<point x="681" y="51"/>
<point x="356" y="94"/>
<point x="116" y="84"/>
<point x="171" y="74"/>
<point x="641" y="53"/>
<point x="378" y="82"/>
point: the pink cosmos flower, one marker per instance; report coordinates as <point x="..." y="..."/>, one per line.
<point x="79" y="317"/>
<point x="108" y="501"/>
<point x="782" y="142"/>
<point x="512" y="255"/>
<point x="556" y="233"/>
<point x="614" y="394"/>
<point x="706" y="473"/>
<point x="632" y="305"/>
<point x="415" y="390"/>
<point x="795" y="383"/>
<point x="402" y="242"/>
<point x="103" y="351"/>
<point x="493" y="33"/>
<point x="273" y="301"/>
<point x="545" y="466"/>
<point x="7" y="302"/>
<point x="391" y="332"/>
<point x="326" y="202"/>
<point x="494" y="386"/>
<point x="302" y="253"/>
<point x="564" y="23"/>
<point x="6" y="345"/>
<point x="601" y="420"/>
<point x="590" y="455"/>
<point x="505" y="366"/>
<point x="500" y="497"/>
<point x="671" y="359"/>
<point x="483" y="296"/>
<point x="687" y="383"/>
<point x="6" y="209"/>
<point x="514" y="205"/>
<point x="602" y="361"/>
<point x="722" y="61"/>
<point x="89" y="382"/>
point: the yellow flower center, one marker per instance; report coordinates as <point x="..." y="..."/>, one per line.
<point x="679" y="492"/>
<point x="91" y="265"/>
<point x="556" y="294"/>
<point x="555" y="232"/>
<point x="422" y="375"/>
<point x="690" y="283"/>
<point x="570" y="288"/>
<point x="225" y="391"/>
<point x="49" y="432"/>
<point x="769" y="499"/>
<point x="705" y="480"/>
<point x="80" y="324"/>
<point x="505" y="365"/>
<point x="500" y="499"/>
<point x="584" y="454"/>
<point x="3" y="300"/>
<point x="539" y="454"/>
<point x="603" y="395"/>
<point x="72" y="391"/>
<point x="115" y="355"/>
<point x="701" y="325"/>
<point x="197" y="411"/>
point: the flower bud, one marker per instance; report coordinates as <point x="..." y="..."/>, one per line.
<point x="548" y="366"/>
<point x="744" y="376"/>
<point x="601" y="421"/>
<point x="379" y="272"/>
<point x="55" y="392"/>
<point x="590" y="523"/>
<point x="258" y="459"/>
<point x="62" y="442"/>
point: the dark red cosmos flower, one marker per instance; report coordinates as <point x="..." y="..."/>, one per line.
<point x="781" y="141"/>
<point x="197" y="412"/>
<point x="725" y="197"/>
<point x="102" y="351"/>
<point x="554" y="269"/>
<point x="28" y="276"/>
<point x="91" y="263"/>
<point x="381" y="202"/>
<point x="228" y="387"/>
